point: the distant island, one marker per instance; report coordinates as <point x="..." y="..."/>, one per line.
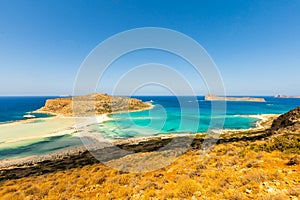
<point x="286" y="96"/>
<point x="92" y="104"/>
<point x="211" y="97"/>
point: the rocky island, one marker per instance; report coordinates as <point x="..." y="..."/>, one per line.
<point x="92" y="104"/>
<point x="286" y="96"/>
<point x="211" y="97"/>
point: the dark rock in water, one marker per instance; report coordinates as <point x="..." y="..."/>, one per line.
<point x="289" y="121"/>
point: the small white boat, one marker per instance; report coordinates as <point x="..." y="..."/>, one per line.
<point x="28" y="116"/>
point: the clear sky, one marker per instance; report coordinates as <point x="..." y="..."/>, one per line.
<point x="255" y="44"/>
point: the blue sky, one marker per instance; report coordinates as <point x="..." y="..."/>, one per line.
<point x="255" y="44"/>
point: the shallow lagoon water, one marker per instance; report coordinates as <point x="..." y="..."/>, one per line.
<point x="239" y="115"/>
<point x="164" y="118"/>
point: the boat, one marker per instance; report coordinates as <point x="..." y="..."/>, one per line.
<point x="28" y="116"/>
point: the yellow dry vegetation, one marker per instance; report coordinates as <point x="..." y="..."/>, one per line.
<point x="230" y="171"/>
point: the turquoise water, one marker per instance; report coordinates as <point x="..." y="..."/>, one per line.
<point x="42" y="146"/>
<point x="169" y="112"/>
<point x="168" y="116"/>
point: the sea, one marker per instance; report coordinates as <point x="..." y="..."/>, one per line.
<point x="170" y="114"/>
<point x="14" y="108"/>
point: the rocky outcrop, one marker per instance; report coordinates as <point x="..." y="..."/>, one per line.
<point x="211" y="97"/>
<point x="288" y="122"/>
<point x="92" y="104"/>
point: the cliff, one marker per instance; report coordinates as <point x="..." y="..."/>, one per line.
<point x="92" y="104"/>
<point x="210" y="97"/>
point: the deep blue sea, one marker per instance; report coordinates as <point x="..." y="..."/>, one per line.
<point x="14" y="108"/>
<point x="169" y="115"/>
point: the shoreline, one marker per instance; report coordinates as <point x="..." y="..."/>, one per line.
<point x="78" y="123"/>
<point x="261" y="124"/>
<point x="87" y="121"/>
<point x="72" y="125"/>
<point x="76" y="150"/>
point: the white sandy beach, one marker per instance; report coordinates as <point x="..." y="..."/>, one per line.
<point x="22" y="132"/>
<point x="35" y="129"/>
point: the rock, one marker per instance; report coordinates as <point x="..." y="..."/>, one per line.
<point x="270" y="190"/>
<point x="294" y="160"/>
<point x="293" y="198"/>
<point x="248" y="191"/>
<point x="289" y="121"/>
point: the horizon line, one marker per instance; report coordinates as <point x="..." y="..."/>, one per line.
<point x="245" y="95"/>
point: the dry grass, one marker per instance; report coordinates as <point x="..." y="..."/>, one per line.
<point x="231" y="171"/>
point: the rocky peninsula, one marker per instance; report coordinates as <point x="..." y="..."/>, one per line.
<point x="211" y="97"/>
<point x="92" y="104"/>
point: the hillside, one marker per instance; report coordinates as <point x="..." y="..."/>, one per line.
<point x="92" y="104"/>
<point x="257" y="164"/>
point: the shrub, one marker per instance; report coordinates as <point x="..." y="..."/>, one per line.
<point x="255" y="176"/>
<point x="187" y="187"/>
<point x="294" y="191"/>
